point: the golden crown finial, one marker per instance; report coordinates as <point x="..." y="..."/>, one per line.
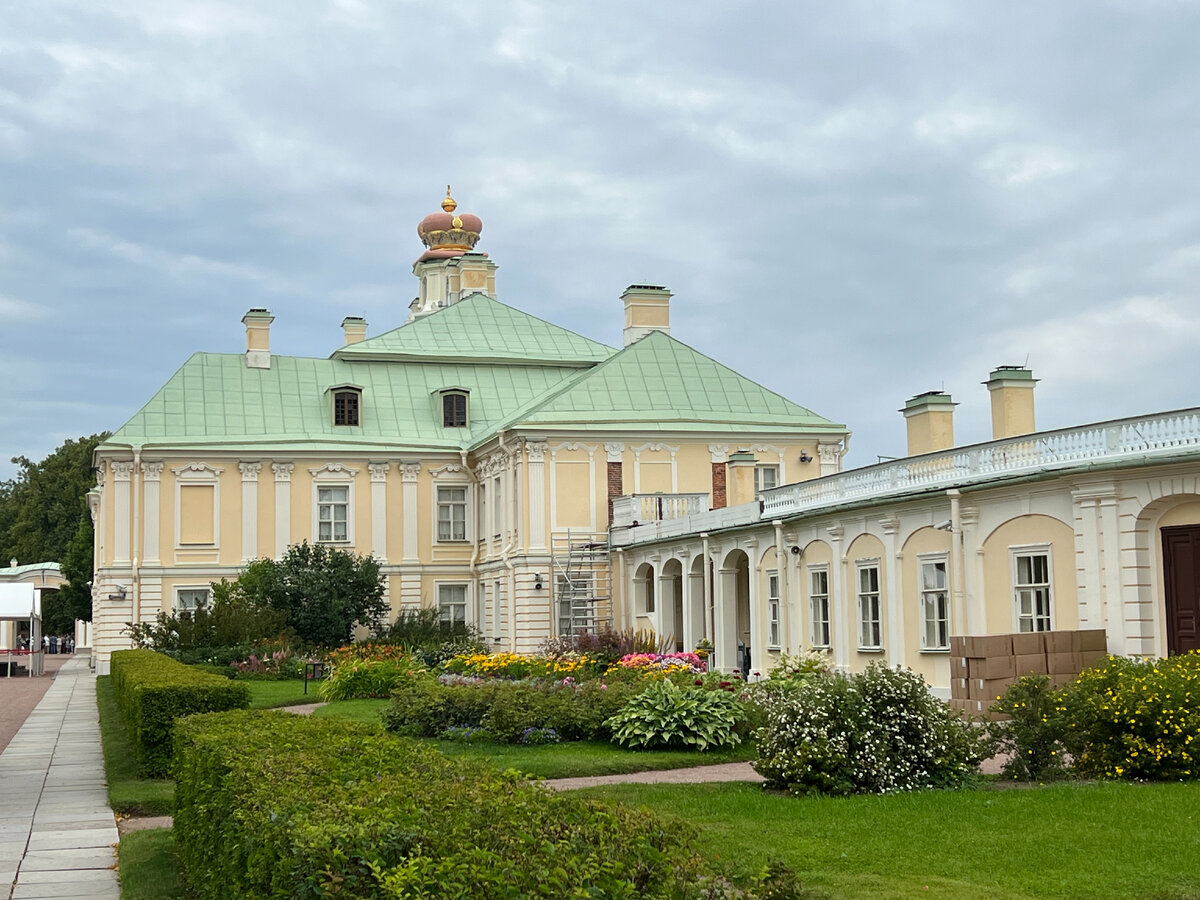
<point x="449" y="204"/>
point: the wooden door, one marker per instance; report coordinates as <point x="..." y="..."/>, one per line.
<point x="1181" y="580"/>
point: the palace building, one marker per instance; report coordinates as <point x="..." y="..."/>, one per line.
<point x="478" y="452"/>
<point x="521" y="477"/>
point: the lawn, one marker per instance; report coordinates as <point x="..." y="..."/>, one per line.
<point x="1070" y="840"/>
<point x="128" y="792"/>
<point x="271" y="694"/>
<point x="149" y="869"/>
<point x="569" y="760"/>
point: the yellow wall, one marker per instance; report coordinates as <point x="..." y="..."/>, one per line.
<point x="998" y="578"/>
<point x="864" y="547"/>
<point x="931" y="664"/>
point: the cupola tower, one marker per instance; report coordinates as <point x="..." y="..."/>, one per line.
<point x="450" y="268"/>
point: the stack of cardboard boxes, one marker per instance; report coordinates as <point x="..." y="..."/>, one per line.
<point x="983" y="667"/>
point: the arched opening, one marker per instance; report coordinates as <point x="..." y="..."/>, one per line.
<point x="733" y="646"/>
<point x="643" y="590"/>
<point x="696" y="623"/>
<point x="672" y="604"/>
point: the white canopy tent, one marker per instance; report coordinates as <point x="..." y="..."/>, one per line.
<point x="21" y="603"/>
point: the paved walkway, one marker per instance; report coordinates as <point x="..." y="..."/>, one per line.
<point x="57" y="832"/>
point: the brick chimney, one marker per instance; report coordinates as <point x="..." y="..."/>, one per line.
<point x="930" y="421"/>
<point x="647" y="308"/>
<point x="1011" y="388"/>
<point x="258" y="337"/>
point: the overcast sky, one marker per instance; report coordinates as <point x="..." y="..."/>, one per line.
<point x="852" y="202"/>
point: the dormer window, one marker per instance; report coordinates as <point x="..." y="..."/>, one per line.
<point x="346" y="404"/>
<point x="454" y="409"/>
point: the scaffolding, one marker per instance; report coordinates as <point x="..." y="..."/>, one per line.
<point x="582" y="582"/>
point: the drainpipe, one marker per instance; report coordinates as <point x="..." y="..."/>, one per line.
<point x="136" y="537"/>
<point x="784" y="596"/>
<point x="957" y="592"/>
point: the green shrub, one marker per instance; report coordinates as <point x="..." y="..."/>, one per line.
<point x="153" y="691"/>
<point x="425" y="633"/>
<point x="666" y="715"/>
<point x="424" y="706"/>
<point x="876" y="731"/>
<point x="276" y="806"/>
<point x="1136" y="719"/>
<point x="363" y="679"/>
<point x="1032" y="736"/>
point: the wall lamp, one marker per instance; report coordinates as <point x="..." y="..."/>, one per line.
<point x="537" y="582"/>
<point x="804" y="457"/>
<point x="120" y="594"/>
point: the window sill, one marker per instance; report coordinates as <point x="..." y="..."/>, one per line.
<point x="773" y="648"/>
<point x="345" y="543"/>
<point x="870" y="649"/>
<point x="452" y="543"/>
<point x="936" y="651"/>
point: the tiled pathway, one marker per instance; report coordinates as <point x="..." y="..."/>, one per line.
<point x="57" y="832"/>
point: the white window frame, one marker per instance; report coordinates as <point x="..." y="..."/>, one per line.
<point x="760" y="471"/>
<point x="773" y="630"/>
<point x="818" y="607"/>
<point x="332" y="504"/>
<point x="438" y="503"/>
<point x="928" y="600"/>
<point x="464" y="603"/>
<point x="1029" y="550"/>
<point x="333" y="475"/>
<point x="870" y="606"/>
<point x="178" y="608"/>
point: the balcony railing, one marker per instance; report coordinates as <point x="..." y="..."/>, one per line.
<point x="639" y="509"/>
<point x="649" y="517"/>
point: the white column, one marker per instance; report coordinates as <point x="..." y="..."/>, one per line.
<point x="249" y="472"/>
<point x="151" y="473"/>
<point x="1114" y="609"/>
<point x="725" y="616"/>
<point x="757" y="602"/>
<point x="283" y="507"/>
<point x="973" y="581"/>
<point x="842" y="619"/>
<point x="122" y="525"/>
<point x="409" y="470"/>
<point x="895" y="607"/>
<point x="536" y="451"/>
<point x="379" y="472"/>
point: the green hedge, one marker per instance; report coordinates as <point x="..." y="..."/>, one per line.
<point x="153" y="690"/>
<point x="270" y="805"/>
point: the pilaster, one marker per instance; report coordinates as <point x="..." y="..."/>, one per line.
<point x="535" y="453"/>
<point x="283" y="506"/>
<point x="151" y="479"/>
<point x="379" y="471"/>
<point x="249" y="472"/>
<point x="122" y="522"/>
<point x="409" y="470"/>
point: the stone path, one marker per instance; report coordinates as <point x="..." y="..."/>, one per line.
<point x="57" y="832"/>
<point x="740" y="771"/>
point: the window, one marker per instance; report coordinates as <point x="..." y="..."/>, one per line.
<point x="818" y="598"/>
<point x="773" y="609"/>
<point x="454" y="409"/>
<point x="452" y="603"/>
<point x="765" y="478"/>
<point x="1031" y="585"/>
<point x="497" y="507"/>
<point x="188" y="600"/>
<point x="333" y="505"/>
<point x="345" y="406"/>
<point x="452" y="513"/>
<point x="870" y="636"/>
<point x="935" y="606"/>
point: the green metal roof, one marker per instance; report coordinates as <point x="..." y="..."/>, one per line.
<point x="660" y="383"/>
<point x="478" y="328"/>
<point x="216" y="400"/>
<point x="28" y="567"/>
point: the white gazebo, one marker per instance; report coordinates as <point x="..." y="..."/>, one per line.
<point x="21" y="603"/>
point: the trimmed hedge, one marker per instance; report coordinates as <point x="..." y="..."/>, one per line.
<point x="153" y="690"/>
<point x="270" y="805"/>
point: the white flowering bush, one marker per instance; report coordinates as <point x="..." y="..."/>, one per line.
<point x="876" y="732"/>
<point x="805" y="664"/>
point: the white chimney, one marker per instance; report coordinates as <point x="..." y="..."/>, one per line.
<point x="258" y="337"/>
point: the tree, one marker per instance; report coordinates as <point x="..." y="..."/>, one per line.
<point x="323" y="592"/>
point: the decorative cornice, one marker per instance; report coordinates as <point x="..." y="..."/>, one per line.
<point x="197" y="470"/>
<point x="614" y="451"/>
<point x="447" y="469"/>
<point x="250" y="471"/>
<point x="574" y="446"/>
<point x="336" y="470"/>
<point x="654" y="447"/>
<point x="283" y="472"/>
<point x="122" y="471"/>
<point x="409" y="470"/>
<point x="379" y="471"/>
<point x="837" y="532"/>
<point x="890" y="524"/>
<point x="719" y="452"/>
<point x="829" y="453"/>
<point x="152" y="471"/>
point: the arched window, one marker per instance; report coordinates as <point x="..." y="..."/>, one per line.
<point x="454" y="409"/>
<point x="346" y="406"/>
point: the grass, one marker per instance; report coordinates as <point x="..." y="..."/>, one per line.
<point x="272" y="694"/>
<point x="569" y="760"/>
<point x="128" y="792"/>
<point x="1069" y="840"/>
<point x="149" y="867"/>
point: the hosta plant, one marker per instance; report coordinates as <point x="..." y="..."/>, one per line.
<point x="666" y="715"/>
